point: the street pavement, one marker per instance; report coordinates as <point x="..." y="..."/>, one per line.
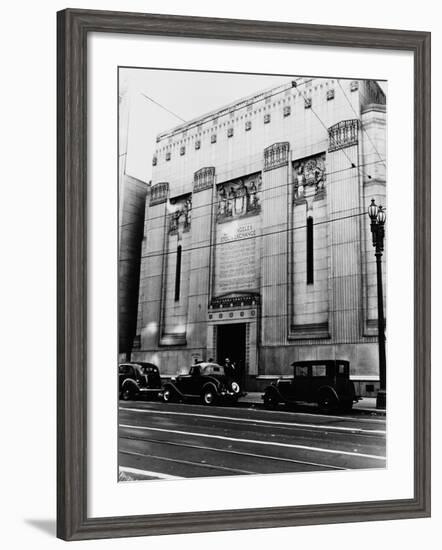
<point x="366" y="405"/>
<point x="166" y="441"/>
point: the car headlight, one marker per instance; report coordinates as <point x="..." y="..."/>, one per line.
<point x="235" y="387"/>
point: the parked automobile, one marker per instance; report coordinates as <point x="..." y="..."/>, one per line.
<point x="325" y="382"/>
<point x="206" y="381"/>
<point x="138" y="379"/>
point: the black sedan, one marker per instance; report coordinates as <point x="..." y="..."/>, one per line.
<point x="207" y="382"/>
<point x="138" y="379"/>
<point x="325" y="382"/>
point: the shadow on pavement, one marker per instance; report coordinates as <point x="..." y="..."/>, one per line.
<point x="48" y="526"/>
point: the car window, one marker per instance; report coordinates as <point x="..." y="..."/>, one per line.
<point x="213" y="369"/>
<point x="125" y="369"/>
<point x="341" y="368"/>
<point x="148" y="370"/>
<point x="301" y="371"/>
<point x="319" y="370"/>
<point x="195" y="371"/>
<point x="130" y="371"/>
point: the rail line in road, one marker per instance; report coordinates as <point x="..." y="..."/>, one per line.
<point x="178" y="407"/>
<point x="238" y="453"/>
<point x="256" y="442"/>
<point x="273" y="423"/>
<point x="146" y="474"/>
<point x="190" y="463"/>
<point x="185" y="441"/>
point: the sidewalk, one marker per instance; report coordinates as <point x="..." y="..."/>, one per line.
<point x="366" y="405"/>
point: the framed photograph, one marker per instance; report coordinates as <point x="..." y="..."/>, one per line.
<point x="241" y="207"/>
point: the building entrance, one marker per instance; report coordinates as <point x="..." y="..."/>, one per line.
<point x="231" y="344"/>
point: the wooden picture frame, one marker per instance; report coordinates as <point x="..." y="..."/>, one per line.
<point x="73" y="29"/>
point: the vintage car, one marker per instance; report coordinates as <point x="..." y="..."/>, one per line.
<point x="205" y="381"/>
<point x="137" y="380"/>
<point x="325" y="382"/>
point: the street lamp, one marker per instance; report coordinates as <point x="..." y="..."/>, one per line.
<point x="377" y="217"/>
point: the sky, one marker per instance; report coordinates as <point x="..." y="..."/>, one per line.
<point x="186" y="94"/>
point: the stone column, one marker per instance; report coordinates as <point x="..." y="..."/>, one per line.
<point x="373" y="155"/>
<point x="199" y="282"/>
<point x="152" y="267"/>
<point x="345" y="210"/>
<point x="274" y="192"/>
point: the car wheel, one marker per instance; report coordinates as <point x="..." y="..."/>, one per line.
<point x="209" y="397"/>
<point x="270" y="401"/>
<point x="128" y="393"/>
<point x="168" y="395"/>
<point x="327" y="402"/>
<point x="347" y="405"/>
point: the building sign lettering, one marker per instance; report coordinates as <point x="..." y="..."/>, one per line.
<point x="236" y="263"/>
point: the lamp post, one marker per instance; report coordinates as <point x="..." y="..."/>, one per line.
<point x="377" y="217"/>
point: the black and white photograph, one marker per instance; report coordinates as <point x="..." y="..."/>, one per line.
<point x="252" y="241"/>
<point x="222" y="315"/>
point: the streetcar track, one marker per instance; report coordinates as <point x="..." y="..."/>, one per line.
<point x="189" y="463"/>
<point x="148" y="473"/>
<point x="257" y="442"/>
<point x="275" y="423"/>
<point x="230" y="451"/>
<point x="288" y="412"/>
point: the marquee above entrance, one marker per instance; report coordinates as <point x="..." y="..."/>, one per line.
<point x="235" y="300"/>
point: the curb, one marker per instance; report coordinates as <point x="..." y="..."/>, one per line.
<point x="362" y="410"/>
<point x="376" y="412"/>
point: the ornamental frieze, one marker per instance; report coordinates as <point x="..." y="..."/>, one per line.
<point x="309" y="177"/>
<point x="343" y="134"/>
<point x="237" y="300"/>
<point x="158" y="193"/>
<point x="276" y="155"/>
<point x="239" y="197"/>
<point x="203" y="179"/>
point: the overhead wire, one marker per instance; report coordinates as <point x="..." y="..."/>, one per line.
<point x="296" y="86"/>
<point x="271" y="188"/>
<point x="327" y="221"/>
<point x="162" y="106"/>
<point x="261" y="235"/>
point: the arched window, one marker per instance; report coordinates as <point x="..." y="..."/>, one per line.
<point x="178" y="274"/>
<point x="310" y="250"/>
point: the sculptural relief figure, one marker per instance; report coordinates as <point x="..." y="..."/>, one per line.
<point x="253" y="197"/>
<point x="314" y="174"/>
<point x="241" y="196"/>
<point x="230" y="202"/>
<point x="174" y="222"/>
<point x="180" y="220"/>
<point x="310" y="173"/>
<point x="222" y="202"/>
<point x="187" y="212"/>
<point x="300" y="180"/>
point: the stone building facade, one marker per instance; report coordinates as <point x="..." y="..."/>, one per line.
<point x="256" y="239"/>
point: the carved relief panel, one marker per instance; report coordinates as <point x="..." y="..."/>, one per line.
<point x="239" y="197"/>
<point x="309" y="178"/>
<point x="181" y="216"/>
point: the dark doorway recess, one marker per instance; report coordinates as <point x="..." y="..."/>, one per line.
<point x="231" y="343"/>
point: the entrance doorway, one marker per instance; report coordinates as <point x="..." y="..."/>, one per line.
<point x="231" y="343"/>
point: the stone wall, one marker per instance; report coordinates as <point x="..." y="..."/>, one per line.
<point x="312" y="149"/>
